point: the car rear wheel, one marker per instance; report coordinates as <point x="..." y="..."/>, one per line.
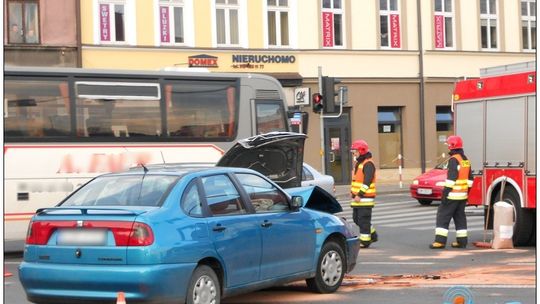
<point x="425" y="202"/>
<point x="330" y="269"/>
<point x="203" y="287"/>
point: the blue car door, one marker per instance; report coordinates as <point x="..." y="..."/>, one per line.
<point x="234" y="232"/>
<point x="288" y="237"/>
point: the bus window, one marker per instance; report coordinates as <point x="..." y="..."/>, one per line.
<point x="104" y="110"/>
<point x="198" y="111"/>
<point x="270" y="117"/>
<point x="35" y="109"/>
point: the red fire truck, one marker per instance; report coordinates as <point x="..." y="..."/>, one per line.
<point x="496" y="117"/>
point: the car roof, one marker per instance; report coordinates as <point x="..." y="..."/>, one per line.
<point x="179" y="170"/>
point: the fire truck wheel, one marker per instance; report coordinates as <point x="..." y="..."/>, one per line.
<point x="523" y="226"/>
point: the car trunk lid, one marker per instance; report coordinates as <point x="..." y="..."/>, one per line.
<point x="277" y="155"/>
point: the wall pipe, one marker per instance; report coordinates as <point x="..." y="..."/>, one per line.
<point x="421" y="76"/>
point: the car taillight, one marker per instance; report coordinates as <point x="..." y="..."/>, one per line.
<point x="125" y="233"/>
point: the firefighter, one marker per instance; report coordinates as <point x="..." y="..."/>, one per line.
<point x="363" y="192"/>
<point x="454" y="198"/>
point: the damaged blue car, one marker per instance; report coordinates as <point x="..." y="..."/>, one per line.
<point x="165" y="234"/>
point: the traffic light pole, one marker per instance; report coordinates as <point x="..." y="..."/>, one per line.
<point x="323" y="164"/>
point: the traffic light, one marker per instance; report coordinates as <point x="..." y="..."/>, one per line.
<point x="329" y="93"/>
<point x="317" y="102"/>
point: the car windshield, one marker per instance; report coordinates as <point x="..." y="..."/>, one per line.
<point x="443" y="165"/>
<point x="123" y="190"/>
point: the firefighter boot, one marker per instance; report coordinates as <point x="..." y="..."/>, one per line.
<point x="460" y="243"/>
<point x="437" y="245"/>
<point x="365" y="244"/>
<point x="374" y="235"/>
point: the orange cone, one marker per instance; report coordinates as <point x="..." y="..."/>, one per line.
<point x="120" y="298"/>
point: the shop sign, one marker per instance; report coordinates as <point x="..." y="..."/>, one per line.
<point x="328" y="29"/>
<point x="164" y="20"/>
<point x="203" y="61"/>
<point x="104" y="26"/>
<point x="258" y="61"/>
<point x="439" y="30"/>
<point x="395" y="31"/>
<point x="301" y="97"/>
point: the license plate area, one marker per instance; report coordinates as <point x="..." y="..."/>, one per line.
<point x="424" y="191"/>
<point x="82" y="237"/>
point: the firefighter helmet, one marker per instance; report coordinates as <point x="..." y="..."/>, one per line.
<point x="361" y="146"/>
<point x="454" y="142"/>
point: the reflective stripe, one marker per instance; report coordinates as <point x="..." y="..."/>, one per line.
<point x="365" y="237"/>
<point x="372" y="229"/>
<point x="457" y="196"/>
<point x="364" y="188"/>
<point x="470" y="183"/>
<point x="461" y="233"/>
<point x="441" y="232"/>
<point x="362" y="204"/>
<point x="449" y="183"/>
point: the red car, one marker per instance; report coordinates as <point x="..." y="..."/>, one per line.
<point x="428" y="186"/>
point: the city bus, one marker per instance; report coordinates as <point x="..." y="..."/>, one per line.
<point x="63" y="126"/>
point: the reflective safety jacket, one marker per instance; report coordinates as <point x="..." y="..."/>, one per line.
<point x="459" y="178"/>
<point x="363" y="184"/>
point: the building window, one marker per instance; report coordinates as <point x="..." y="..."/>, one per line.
<point x="112" y="20"/>
<point x="444" y="24"/>
<point x="445" y="127"/>
<point x="278" y="22"/>
<point x="389" y="24"/>
<point x="23" y="20"/>
<point x="528" y="24"/>
<point x="488" y="24"/>
<point x="227" y="22"/>
<point x="332" y="23"/>
<point x="390" y="136"/>
<point x="171" y="21"/>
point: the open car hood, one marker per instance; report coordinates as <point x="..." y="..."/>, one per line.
<point x="316" y="198"/>
<point x="277" y="155"/>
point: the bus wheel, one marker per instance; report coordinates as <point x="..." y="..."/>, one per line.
<point x="523" y="221"/>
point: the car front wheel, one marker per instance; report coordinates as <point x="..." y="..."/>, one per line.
<point x="330" y="269"/>
<point x="203" y="287"/>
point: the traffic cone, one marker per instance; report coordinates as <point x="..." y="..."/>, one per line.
<point x="120" y="298"/>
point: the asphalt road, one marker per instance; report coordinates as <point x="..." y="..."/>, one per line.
<point x="400" y="268"/>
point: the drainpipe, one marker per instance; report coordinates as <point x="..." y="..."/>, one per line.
<point x="78" y="34"/>
<point x="421" y="76"/>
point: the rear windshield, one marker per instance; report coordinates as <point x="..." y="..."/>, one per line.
<point x="132" y="190"/>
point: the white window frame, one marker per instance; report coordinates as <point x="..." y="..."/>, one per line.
<point x="290" y="8"/>
<point x="188" y="21"/>
<point x="490" y="18"/>
<point x="387" y="13"/>
<point x="336" y="11"/>
<point x="528" y="18"/>
<point x="242" y="23"/>
<point x="445" y="15"/>
<point x="129" y="22"/>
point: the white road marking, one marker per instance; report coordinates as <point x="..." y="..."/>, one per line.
<point x="495" y="286"/>
<point x="397" y="263"/>
<point x="469" y="224"/>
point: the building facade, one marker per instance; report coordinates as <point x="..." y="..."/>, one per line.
<point x="42" y="33"/>
<point x="398" y="58"/>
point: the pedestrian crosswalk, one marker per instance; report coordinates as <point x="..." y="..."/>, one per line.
<point x="409" y="214"/>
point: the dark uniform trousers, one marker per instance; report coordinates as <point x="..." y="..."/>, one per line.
<point x="448" y="210"/>
<point x="362" y="218"/>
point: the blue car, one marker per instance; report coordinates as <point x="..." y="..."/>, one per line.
<point x="188" y="235"/>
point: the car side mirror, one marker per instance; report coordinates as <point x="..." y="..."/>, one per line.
<point x="297" y="202"/>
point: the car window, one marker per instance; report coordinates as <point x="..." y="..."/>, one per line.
<point x="222" y="196"/>
<point x="443" y="165"/>
<point x="123" y="190"/>
<point x="306" y="175"/>
<point x="191" y="201"/>
<point x="264" y="196"/>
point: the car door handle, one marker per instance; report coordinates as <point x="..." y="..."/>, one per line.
<point x="219" y="228"/>
<point x="266" y="224"/>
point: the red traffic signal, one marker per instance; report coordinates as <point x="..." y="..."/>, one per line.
<point x="317" y="102"/>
